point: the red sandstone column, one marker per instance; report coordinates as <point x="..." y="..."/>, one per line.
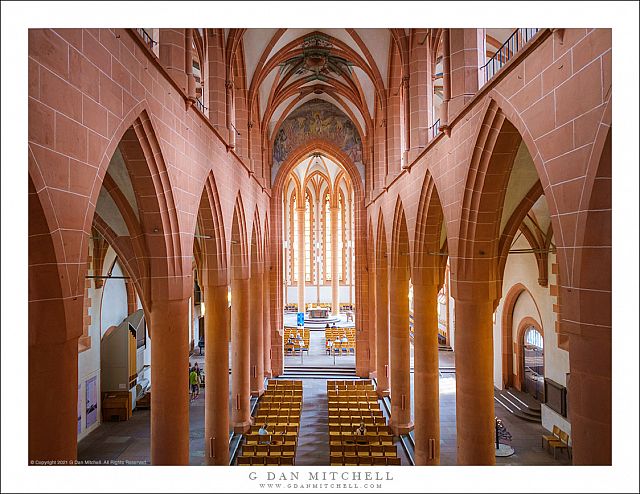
<point x="382" y="330"/>
<point x="400" y="349"/>
<point x="256" y="315"/>
<point x="335" y="286"/>
<point x="53" y="396"/>
<point x="465" y="47"/>
<point x="475" y="410"/>
<point x="241" y="413"/>
<point x="170" y="382"/>
<point x="372" y="323"/>
<point x="590" y="394"/>
<point x="266" y="323"/>
<point x="172" y="54"/>
<point x="216" y="365"/>
<point x="301" y="266"/>
<point x="426" y="382"/>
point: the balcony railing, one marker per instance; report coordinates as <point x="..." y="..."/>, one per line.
<point x="147" y="38"/>
<point x="434" y="129"/>
<point x="200" y="106"/>
<point x="516" y="41"/>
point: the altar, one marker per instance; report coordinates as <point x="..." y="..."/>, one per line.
<point x="318" y="313"/>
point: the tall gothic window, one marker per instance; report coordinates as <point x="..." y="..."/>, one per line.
<point x="340" y="233"/>
<point x="308" y="238"/>
<point x="294" y="240"/>
<point x="327" y="237"/>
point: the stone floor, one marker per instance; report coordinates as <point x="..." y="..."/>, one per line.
<point x="129" y="442"/>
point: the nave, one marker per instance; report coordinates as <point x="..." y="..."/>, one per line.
<point x="128" y="443"/>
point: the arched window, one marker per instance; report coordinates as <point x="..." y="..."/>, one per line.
<point x="340" y="233"/>
<point x="327" y="237"/>
<point x="308" y="238"/>
<point x="294" y="239"/>
<point x="533" y="338"/>
<point x="533" y="363"/>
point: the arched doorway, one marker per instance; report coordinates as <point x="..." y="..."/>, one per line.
<point x="533" y="362"/>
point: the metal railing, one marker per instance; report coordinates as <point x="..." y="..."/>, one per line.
<point x="516" y="41"/>
<point x="434" y="129"/>
<point x="200" y="105"/>
<point x="147" y="38"/>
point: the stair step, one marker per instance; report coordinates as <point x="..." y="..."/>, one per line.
<point x="516" y="406"/>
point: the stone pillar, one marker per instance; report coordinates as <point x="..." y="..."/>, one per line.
<point x="240" y="392"/>
<point x="170" y="382"/>
<point x="172" y="55"/>
<point x="53" y="395"/>
<point x="589" y="392"/>
<point x="382" y="329"/>
<point x="216" y="365"/>
<point x="466" y="46"/>
<point x="373" y="337"/>
<point x="256" y="315"/>
<point x="426" y="377"/>
<point x="400" y="349"/>
<point x="475" y="410"/>
<point x="335" y="285"/>
<point x="301" y="271"/>
<point x="266" y="322"/>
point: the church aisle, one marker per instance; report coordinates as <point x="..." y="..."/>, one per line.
<point x="313" y="439"/>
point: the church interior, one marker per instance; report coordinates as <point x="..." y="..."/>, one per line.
<point x="306" y="247"/>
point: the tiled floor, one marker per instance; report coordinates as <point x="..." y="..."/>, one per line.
<point x="129" y="442"/>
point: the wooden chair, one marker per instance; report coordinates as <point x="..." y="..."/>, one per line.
<point x="244" y="461"/>
<point x="273" y="460"/>
<point x="390" y="450"/>
<point x="287" y="460"/>
<point x="394" y="461"/>
<point x="561" y="444"/>
<point x="555" y="436"/>
<point x="379" y="460"/>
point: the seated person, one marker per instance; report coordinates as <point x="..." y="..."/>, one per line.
<point x="344" y="338"/>
<point x="362" y="430"/>
<point x="329" y="344"/>
<point x="263" y="431"/>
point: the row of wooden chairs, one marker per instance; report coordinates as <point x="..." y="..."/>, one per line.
<point x="266" y="460"/>
<point x="558" y="440"/>
<point x="288" y="449"/>
<point x="347" y="383"/>
<point x="350" y="461"/>
<point x="276" y="429"/>
<point x="281" y="405"/>
<point x="289" y="438"/>
<point x="355" y="398"/>
<point x="374" y="430"/>
<point x="274" y="384"/>
<point x="357" y="438"/>
<point x="348" y="393"/>
<point x="340" y="412"/>
<point x="355" y="408"/>
<point x="356" y="420"/>
<point x="363" y="450"/>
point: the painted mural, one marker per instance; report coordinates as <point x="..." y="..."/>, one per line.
<point x="317" y="119"/>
